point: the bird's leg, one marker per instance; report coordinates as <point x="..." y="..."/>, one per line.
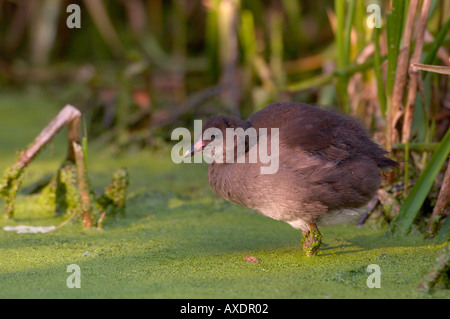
<point x="311" y="240"/>
<point x="305" y="236"/>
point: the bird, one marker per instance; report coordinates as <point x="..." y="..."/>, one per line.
<point x="328" y="165"/>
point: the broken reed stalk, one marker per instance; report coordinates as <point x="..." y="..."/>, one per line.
<point x="114" y="197"/>
<point x="414" y="73"/>
<point x="83" y="186"/>
<point x="10" y="183"/>
<point x="402" y="70"/>
<point x="69" y="115"/>
<point x="432" y="68"/>
<point x="442" y="203"/>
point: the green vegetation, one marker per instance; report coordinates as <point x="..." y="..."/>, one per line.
<point x="138" y="69"/>
<point x="9" y="186"/>
<point x="179" y="240"/>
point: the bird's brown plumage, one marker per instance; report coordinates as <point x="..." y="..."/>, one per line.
<point x="327" y="163"/>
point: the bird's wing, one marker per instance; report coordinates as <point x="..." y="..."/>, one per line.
<point x="303" y="126"/>
<point x="328" y="134"/>
<point x="317" y="135"/>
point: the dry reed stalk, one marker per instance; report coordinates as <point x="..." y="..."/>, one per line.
<point x="43" y="29"/>
<point x="414" y="73"/>
<point x="69" y="115"/>
<point x="441" y="204"/>
<point x="402" y="70"/>
<point x="83" y="186"/>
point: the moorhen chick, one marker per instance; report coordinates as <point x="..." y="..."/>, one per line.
<point x="327" y="166"/>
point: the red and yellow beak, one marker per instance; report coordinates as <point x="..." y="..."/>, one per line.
<point x="197" y="147"/>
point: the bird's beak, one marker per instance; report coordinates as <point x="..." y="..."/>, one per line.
<point x="198" y="146"/>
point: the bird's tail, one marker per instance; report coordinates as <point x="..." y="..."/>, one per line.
<point x="341" y="216"/>
<point x="386" y="163"/>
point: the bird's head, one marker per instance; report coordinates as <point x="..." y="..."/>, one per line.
<point x="213" y="138"/>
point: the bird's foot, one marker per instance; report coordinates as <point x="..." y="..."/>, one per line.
<point x="311" y="240"/>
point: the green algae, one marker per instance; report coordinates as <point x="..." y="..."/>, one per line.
<point x="114" y="196"/>
<point x="9" y="185"/>
<point x="113" y="199"/>
<point x="67" y="195"/>
<point x="62" y="195"/>
<point x="179" y="240"/>
<point x="187" y="252"/>
<point x="194" y="249"/>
